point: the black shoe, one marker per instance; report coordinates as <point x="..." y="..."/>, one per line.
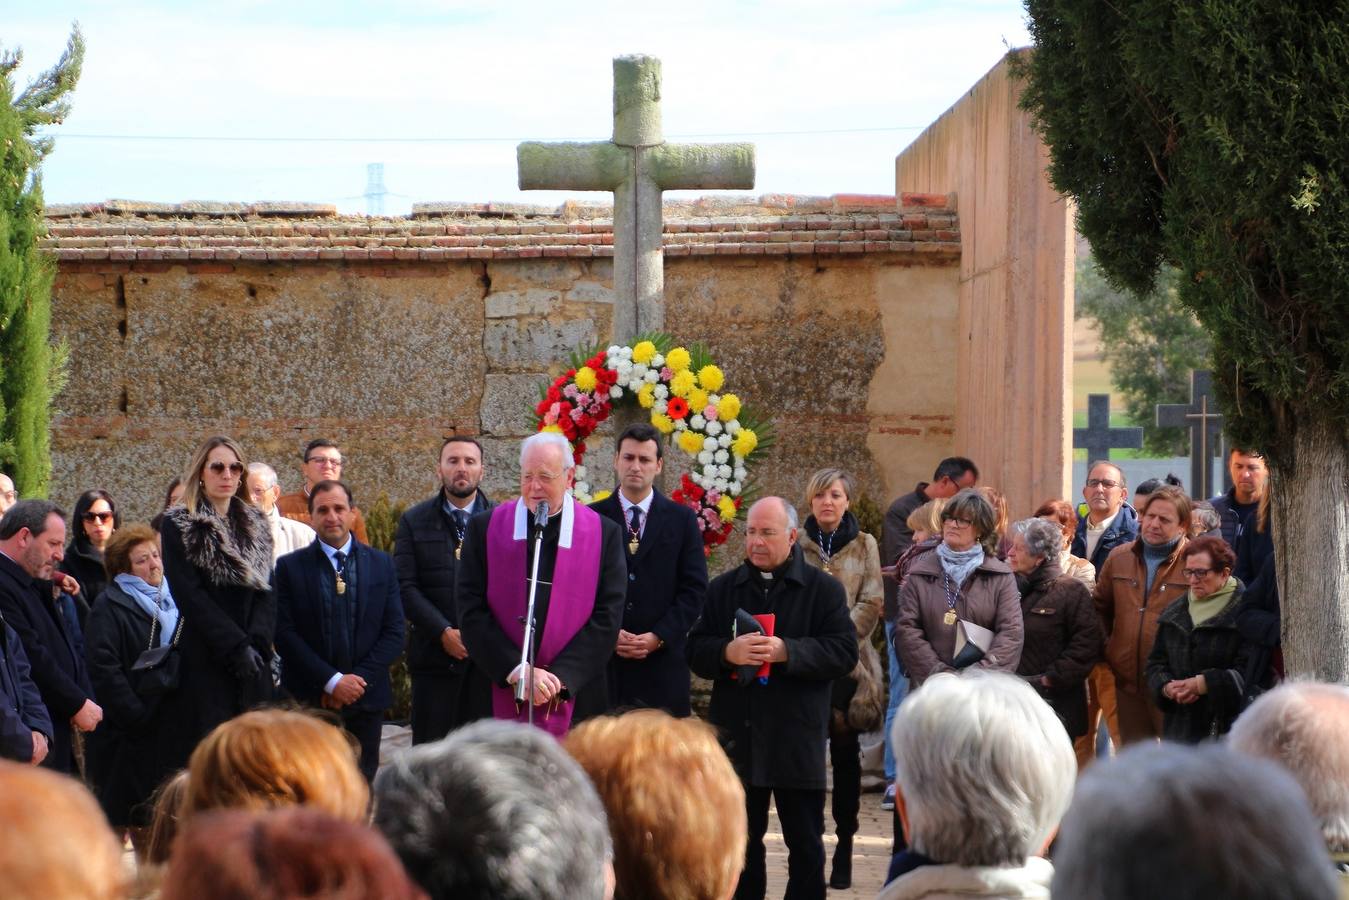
<point x="840" y="874"/>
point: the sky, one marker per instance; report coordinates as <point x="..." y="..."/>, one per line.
<point x="248" y="100"/>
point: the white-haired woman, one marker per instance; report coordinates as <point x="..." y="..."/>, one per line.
<point x="984" y="773"/>
<point x="1063" y="637"/>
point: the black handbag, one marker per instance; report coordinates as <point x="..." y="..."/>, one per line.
<point x="155" y="671"/>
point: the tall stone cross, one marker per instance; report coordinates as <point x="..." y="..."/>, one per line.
<point x="1098" y="438"/>
<point x="1205" y="422"/>
<point x="637" y="165"/>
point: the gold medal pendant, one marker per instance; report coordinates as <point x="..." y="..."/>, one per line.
<point x="827" y="569"/>
<point x="457" y="549"/>
<point x="632" y="546"/>
<point x="950" y="617"/>
<point x="341" y="586"/>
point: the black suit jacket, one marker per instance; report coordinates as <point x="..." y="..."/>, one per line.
<point x="21" y="709"/>
<point x="302" y="626"/>
<point x="54" y="653"/>
<point x="667" y="583"/>
<point x="423" y="553"/>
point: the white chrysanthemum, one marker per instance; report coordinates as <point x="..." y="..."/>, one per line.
<point x="721" y="456"/>
<point x="696" y="478"/>
<point x="733" y="488"/>
<point x="657" y="361"/>
<point x="704" y="458"/>
<point x="635" y="385"/>
<point x="680" y="424"/>
<point x="626" y="351"/>
<point x="652" y="376"/>
<point x="698" y="422"/>
<point x="624" y="369"/>
<point x="660" y="406"/>
<point x="661" y="392"/>
<point x="739" y="474"/>
<point x="582" y="488"/>
<point x="615" y="393"/>
<point x="580" y="474"/>
<point x="638" y="371"/>
<point x="713" y="399"/>
<point x="613" y="350"/>
<point x="725" y="440"/>
<point x="724" y="471"/>
<point x="710" y="444"/>
<point x="713" y="427"/>
<point x="710" y="471"/>
<point x="733" y="427"/>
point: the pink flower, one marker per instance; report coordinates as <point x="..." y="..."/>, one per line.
<point x="571" y="391"/>
<point x="712" y="498"/>
<point x="666" y="373"/>
<point x="710" y="414"/>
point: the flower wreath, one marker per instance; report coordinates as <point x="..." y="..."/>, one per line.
<point x="682" y="388"/>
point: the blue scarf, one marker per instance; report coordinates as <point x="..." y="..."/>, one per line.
<point x="959" y="563"/>
<point x="156" y="601"/>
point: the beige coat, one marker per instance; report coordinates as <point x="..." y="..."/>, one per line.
<point x="858" y="567"/>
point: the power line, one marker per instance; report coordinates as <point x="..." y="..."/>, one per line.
<point x="311" y="139"/>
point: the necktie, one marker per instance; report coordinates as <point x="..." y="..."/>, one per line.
<point x="635" y="530"/>
<point x="341" y="559"/>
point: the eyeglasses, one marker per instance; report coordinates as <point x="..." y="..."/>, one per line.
<point x="97" y="517"/>
<point x="326" y="461"/>
<point x="1196" y="573"/>
<point x="543" y="478"/>
<point x="235" y="468"/>
<point x="9" y="495"/>
<point x="957" y="520"/>
<point x="1102" y="482"/>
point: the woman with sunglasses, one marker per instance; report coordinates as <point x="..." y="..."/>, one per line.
<point x="960" y="584"/>
<point x="94" y="520"/>
<point x="218" y="557"/>
<point x="1197" y="669"/>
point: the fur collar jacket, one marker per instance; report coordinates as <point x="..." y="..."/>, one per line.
<point x="237" y="551"/>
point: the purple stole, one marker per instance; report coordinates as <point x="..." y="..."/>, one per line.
<point x="576" y="575"/>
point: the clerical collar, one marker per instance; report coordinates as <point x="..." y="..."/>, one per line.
<point x="523" y="516"/>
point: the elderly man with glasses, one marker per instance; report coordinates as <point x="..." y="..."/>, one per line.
<point x="582" y="586"/>
<point x="322" y="461"/>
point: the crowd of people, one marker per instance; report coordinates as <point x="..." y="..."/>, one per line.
<point x="218" y="680"/>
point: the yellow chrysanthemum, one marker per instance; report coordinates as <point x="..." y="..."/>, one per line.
<point x="585" y="378"/>
<point x="646" y="395"/>
<point x="711" y="378"/>
<point x="744" y="443"/>
<point x="728" y="407"/>
<point x="682" y="383"/>
<point x="556" y="429"/>
<point x="600" y="495"/>
<point x="664" y="424"/>
<point x="726" y="507"/>
<point x="643" y="351"/>
<point x="697" y="400"/>
<point x="678" y="359"/>
<point x="691" y="442"/>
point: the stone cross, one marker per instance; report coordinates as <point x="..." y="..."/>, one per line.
<point x="1205" y="422"/>
<point x="637" y="165"/>
<point x="1098" y="438"/>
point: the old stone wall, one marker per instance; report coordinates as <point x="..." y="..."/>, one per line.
<point x="279" y="324"/>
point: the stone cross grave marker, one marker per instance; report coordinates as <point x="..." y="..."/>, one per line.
<point x="1205" y="422"/>
<point x="637" y="165"/>
<point x="1098" y="438"/>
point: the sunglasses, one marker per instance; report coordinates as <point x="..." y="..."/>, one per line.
<point x="234" y="468"/>
<point x="97" y="517"/>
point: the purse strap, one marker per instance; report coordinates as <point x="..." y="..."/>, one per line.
<point x="177" y="631"/>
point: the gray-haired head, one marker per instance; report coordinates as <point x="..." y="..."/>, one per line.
<point x="1043" y="538"/>
<point x="495" y="810"/>
<point x="1304" y="726"/>
<point x="985" y="769"/>
<point x="265" y="472"/>
<point x="549" y="439"/>
<point x="793" y="521"/>
<point x="1172" y="822"/>
<point x="1204" y="517"/>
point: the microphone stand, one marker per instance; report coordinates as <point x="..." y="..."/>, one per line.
<point x="524" y="693"/>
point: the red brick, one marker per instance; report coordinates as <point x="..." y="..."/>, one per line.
<point x="914" y="221"/>
<point x="554" y="251"/>
<point x="828" y="247"/>
<point x="506" y="253"/>
<point x="479" y="252"/>
<point x="122" y="253"/>
<point x="948" y="235"/>
<point x="934" y="200"/>
<point x="677" y="250"/>
<point x="578" y="251"/>
<point x="304" y="253"/>
<point x="328" y="253"/>
<point x="801" y="248"/>
<point x="351" y="253"/>
<point x="603" y="251"/>
<point x="876" y="234"/>
<point x="201" y="253"/>
<point x="731" y="249"/>
<point x="457" y="252"/>
<point x="775" y="249"/>
<point x="754" y="249"/>
<point x="876" y="246"/>
<point x="851" y="247"/>
<point x="407" y="253"/>
<point x="533" y="252"/>
<point x="866" y="201"/>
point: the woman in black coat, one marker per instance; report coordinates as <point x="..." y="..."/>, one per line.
<point x="1063" y="637"/>
<point x="1198" y="669"/>
<point x="91" y="525"/>
<point x="218" y="557"/>
<point x="131" y="752"/>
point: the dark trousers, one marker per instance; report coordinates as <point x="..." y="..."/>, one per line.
<point x="801" y="813"/>
<point x="441" y="702"/>
<point x="365" y="726"/>
<point x="845" y="756"/>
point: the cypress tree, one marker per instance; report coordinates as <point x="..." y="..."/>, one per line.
<point x="1214" y="137"/>
<point x="27" y="378"/>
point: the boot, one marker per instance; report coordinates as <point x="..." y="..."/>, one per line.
<point x="840" y="874"/>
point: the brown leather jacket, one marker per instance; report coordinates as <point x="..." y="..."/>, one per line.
<point x="1130" y="619"/>
<point x="296" y="506"/>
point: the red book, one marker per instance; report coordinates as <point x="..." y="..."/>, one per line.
<point x="768" y="621"/>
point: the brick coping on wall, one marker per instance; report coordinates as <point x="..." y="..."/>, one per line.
<point x="917" y="225"/>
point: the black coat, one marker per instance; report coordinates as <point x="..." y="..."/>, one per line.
<point x="135" y="747"/>
<point x="581" y="664"/>
<point x="667" y="581"/>
<point x="1062" y="641"/>
<point x="220" y="577"/>
<point x="775" y="733"/>
<point x="21" y="709"/>
<point x="1216" y="650"/>
<point x="305" y="585"/>
<point x="85" y="565"/>
<point x="53" y="645"/>
<point x="423" y="552"/>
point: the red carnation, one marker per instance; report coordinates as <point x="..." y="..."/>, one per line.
<point x="677" y="408"/>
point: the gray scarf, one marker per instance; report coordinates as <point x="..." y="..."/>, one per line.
<point x="958" y="564"/>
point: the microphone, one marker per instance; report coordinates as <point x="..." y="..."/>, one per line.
<point x="541" y="514"/>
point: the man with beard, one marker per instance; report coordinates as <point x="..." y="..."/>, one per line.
<point x="448" y="688"/>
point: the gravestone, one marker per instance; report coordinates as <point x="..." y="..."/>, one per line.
<point x="1098" y="438"/>
<point x="1205" y="422"/>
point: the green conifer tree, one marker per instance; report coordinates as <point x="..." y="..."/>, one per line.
<point x="27" y="376"/>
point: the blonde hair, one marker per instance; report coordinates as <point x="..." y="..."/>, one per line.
<point x="193" y="495"/>
<point x="57" y="842"/>
<point x="681" y="833"/>
<point x="168" y="806"/>
<point x="821" y="480"/>
<point x="927" y="517"/>
<point x="275" y="758"/>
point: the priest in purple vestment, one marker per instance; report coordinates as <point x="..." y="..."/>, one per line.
<point x="579" y="605"/>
